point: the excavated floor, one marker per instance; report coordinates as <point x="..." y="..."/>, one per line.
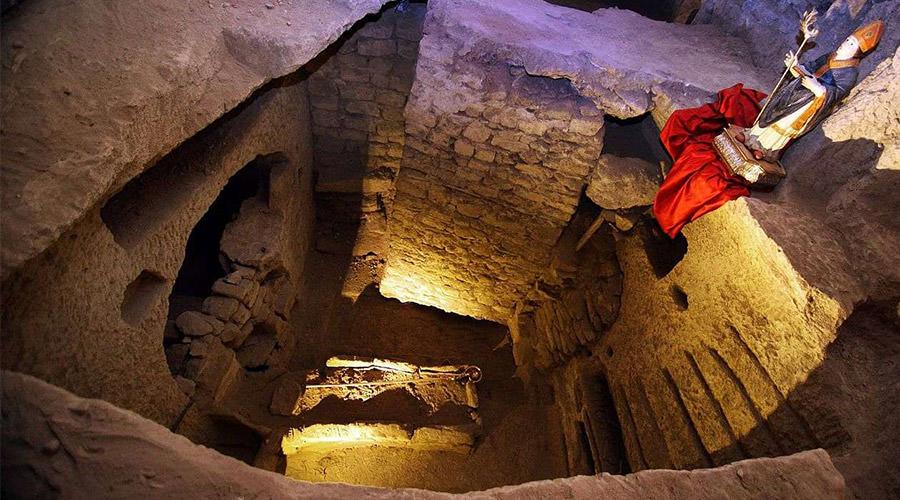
<point x="702" y="368"/>
<point x="350" y="317"/>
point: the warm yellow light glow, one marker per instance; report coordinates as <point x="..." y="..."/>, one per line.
<point x="363" y="363"/>
<point x="321" y="438"/>
<point x="410" y="288"/>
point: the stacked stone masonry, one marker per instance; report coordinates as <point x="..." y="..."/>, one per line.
<point x="244" y="324"/>
<point x="494" y="165"/>
<point x="357" y="96"/>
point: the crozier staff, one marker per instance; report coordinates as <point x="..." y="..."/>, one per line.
<point x="818" y="86"/>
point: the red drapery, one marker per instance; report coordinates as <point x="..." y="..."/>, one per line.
<point x="699" y="182"/>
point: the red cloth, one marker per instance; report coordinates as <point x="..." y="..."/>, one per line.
<point x="699" y="182"/>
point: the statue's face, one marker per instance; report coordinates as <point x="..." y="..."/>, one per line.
<point x="848" y="49"/>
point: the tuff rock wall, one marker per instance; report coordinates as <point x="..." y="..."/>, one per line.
<point x="70" y="317"/>
<point x="771" y="27"/>
<point x="73" y="139"/>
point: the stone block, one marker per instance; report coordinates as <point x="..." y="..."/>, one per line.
<point x="197" y="324"/>
<point x="380" y="65"/>
<point x="399" y="84"/>
<point x="618" y="182"/>
<point x="245" y="332"/>
<point x="237" y="287"/>
<point x="221" y="307"/>
<point x="510" y="117"/>
<point x="350" y="60"/>
<point x="230" y="333"/>
<point x="533" y="127"/>
<point x="241" y="315"/>
<point x="366" y="108"/>
<point x="358" y="91"/>
<point x="263" y="302"/>
<point x="380" y="29"/>
<point x="256" y="350"/>
<point x="203" y="346"/>
<point x="285" y="297"/>
<point x="329" y="102"/>
<point x="393" y="114"/>
<point x="485" y="155"/>
<point x="463" y="148"/>
<point x="476" y="132"/>
<point x="319" y="87"/>
<point x="359" y="123"/>
<point x="216" y="373"/>
<point x="381" y="81"/>
<point x="391" y="98"/>
<point x="355" y="73"/>
<point x="585" y="127"/>
<point x="510" y="141"/>
<point x="288" y="390"/>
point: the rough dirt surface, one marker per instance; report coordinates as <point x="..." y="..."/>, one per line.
<point x="50" y="437"/>
<point x="126" y="88"/>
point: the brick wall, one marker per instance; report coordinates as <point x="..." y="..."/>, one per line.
<point x="493" y="167"/>
<point x="357" y="97"/>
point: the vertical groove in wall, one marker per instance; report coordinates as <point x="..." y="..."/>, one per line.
<point x="686" y="418"/>
<point x="636" y="450"/>
<point x="717" y="405"/>
<point x="762" y="424"/>
<point x="654" y="424"/>
<point x="782" y="401"/>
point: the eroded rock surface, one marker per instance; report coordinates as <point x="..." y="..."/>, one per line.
<point x="127" y="88"/>
<point x="618" y="182"/>
<point x="55" y="436"/>
<point x="625" y="63"/>
<point x="65" y="317"/>
<point x="771" y="27"/>
<point x="845" y="176"/>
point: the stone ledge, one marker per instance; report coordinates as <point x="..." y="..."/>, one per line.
<point x="627" y="64"/>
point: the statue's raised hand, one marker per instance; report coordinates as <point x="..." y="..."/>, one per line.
<point x="789" y="59"/>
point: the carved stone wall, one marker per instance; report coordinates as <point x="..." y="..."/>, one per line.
<point x="90" y="314"/>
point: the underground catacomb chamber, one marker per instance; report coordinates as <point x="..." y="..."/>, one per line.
<point x="422" y="253"/>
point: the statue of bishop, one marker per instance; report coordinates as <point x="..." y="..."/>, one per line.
<point x="800" y="105"/>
